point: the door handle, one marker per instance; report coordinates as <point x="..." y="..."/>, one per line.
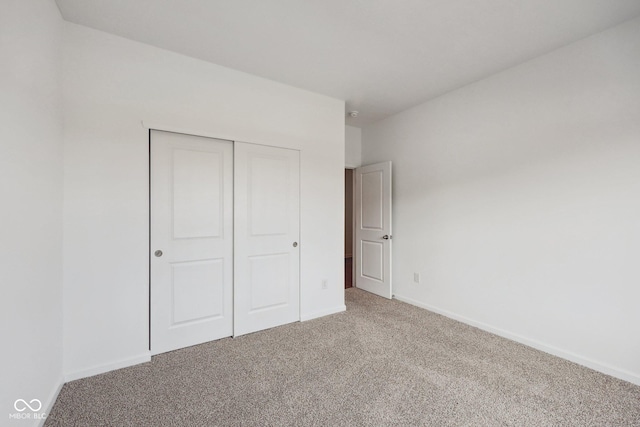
<point x="386" y="237"/>
<point x="158" y="253"/>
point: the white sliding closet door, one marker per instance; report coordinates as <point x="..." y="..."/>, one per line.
<point x="266" y="217"/>
<point x="191" y="240"/>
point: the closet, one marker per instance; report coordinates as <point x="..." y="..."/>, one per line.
<point x="224" y="243"/>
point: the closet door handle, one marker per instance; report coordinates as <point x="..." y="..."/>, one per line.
<point x="295" y="244"/>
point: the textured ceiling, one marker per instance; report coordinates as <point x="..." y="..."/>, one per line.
<point x="380" y="56"/>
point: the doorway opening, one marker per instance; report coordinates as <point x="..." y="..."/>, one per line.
<point x="349" y="274"/>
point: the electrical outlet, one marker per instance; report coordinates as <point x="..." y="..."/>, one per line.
<point x="416" y="277"/>
<point x="325" y="284"/>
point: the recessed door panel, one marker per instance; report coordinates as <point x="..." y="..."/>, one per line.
<point x="268" y="190"/>
<point x="198" y="209"/>
<point x="269" y="281"/>
<point x="373" y="260"/>
<point x="197" y="290"/>
<point x="372" y="193"/>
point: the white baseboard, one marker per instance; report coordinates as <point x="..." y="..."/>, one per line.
<point x="101" y="369"/>
<point x="584" y="361"/>
<point x="315" y="315"/>
<point x="51" y="399"/>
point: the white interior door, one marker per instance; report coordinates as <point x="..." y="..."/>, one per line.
<point x="266" y="216"/>
<point x="373" y="229"/>
<point x="191" y="240"/>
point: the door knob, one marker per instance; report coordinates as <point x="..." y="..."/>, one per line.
<point x="386" y="237"/>
<point x="158" y="253"/>
<point x="295" y="244"/>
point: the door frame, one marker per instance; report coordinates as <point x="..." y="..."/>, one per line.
<point x="353" y="224"/>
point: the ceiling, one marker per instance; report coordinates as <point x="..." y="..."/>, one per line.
<point x="380" y="56"/>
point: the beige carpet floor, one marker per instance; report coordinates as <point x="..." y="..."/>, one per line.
<point x="380" y="363"/>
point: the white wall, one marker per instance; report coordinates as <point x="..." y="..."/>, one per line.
<point x="31" y="192"/>
<point x="517" y="199"/>
<point x="111" y="85"/>
<point x="353" y="146"/>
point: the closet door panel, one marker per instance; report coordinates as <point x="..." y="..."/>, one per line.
<point x="267" y="223"/>
<point x="191" y="240"/>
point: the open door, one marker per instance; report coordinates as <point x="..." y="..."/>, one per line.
<point x="373" y="229"/>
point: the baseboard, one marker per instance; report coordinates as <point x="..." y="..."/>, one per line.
<point x="580" y="360"/>
<point x="101" y="369"/>
<point x="315" y="315"/>
<point x="51" y="399"/>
